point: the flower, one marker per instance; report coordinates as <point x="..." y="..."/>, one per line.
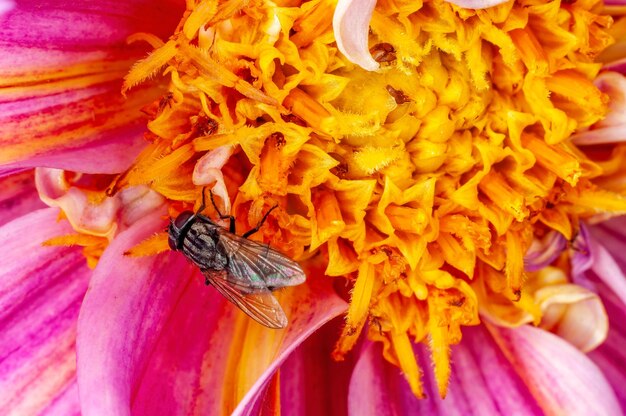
<point x="447" y="193"/>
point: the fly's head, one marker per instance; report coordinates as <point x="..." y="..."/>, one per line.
<point x="178" y="229"/>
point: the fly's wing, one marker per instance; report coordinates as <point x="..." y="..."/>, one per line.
<point x="259" y="304"/>
<point x="258" y="266"/>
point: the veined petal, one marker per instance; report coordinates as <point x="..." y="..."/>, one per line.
<point x="60" y="101"/>
<point x="195" y="337"/>
<point x="351" y="23"/>
<point x="40" y="298"/>
<point x="18" y="197"/>
<point x="483" y="382"/>
<point x="561" y="378"/>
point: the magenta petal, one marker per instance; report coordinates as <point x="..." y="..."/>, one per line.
<point x="123" y="314"/>
<point x="61" y="66"/>
<point x="483" y="383"/>
<point x="18" y="197"/>
<point x="562" y="378"/>
<point x="311" y="382"/>
<point x="611" y="356"/>
<point x="40" y="296"/>
<point x="606" y="245"/>
<point x="103" y="152"/>
<point x="323" y="306"/>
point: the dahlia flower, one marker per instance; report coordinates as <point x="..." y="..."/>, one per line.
<point x="450" y="176"/>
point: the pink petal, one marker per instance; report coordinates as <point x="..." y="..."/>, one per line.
<point x="18" y="197"/>
<point x="351" y="26"/>
<point x="617" y="66"/>
<point x="477" y="4"/>
<point x="310" y="381"/>
<point x="611" y="356"/>
<point x="121" y="319"/>
<point x="561" y="378"/>
<point x="316" y="308"/>
<point x="483" y="383"/>
<point x="152" y="339"/>
<point x="76" y="31"/>
<point x="41" y="293"/>
<point x="612" y="128"/>
<point x="61" y="105"/>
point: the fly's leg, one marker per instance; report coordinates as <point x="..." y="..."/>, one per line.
<point x="260" y="224"/>
<point x="231" y="227"/>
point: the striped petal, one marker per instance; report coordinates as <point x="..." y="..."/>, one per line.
<point x="562" y="378"/>
<point x="60" y="102"/>
<point x="205" y="356"/>
<point x="18" y="197"/>
<point x="40" y="297"/>
<point x="483" y="382"/>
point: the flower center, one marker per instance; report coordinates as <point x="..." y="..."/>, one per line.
<point x="424" y="183"/>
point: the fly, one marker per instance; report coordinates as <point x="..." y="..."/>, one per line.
<point x="244" y="271"/>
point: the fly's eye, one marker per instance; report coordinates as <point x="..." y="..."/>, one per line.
<point x="172" y="242"/>
<point x="182" y="219"/>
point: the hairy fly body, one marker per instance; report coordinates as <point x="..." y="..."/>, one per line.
<point x="244" y="271"/>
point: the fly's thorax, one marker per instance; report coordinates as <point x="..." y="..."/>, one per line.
<point x="201" y="245"/>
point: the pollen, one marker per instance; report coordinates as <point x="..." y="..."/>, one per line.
<point x="422" y="184"/>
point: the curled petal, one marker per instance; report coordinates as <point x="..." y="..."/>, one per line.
<point x="42" y="290"/>
<point x="99" y="219"/>
<point x="574" y="314"/>
<point x="612" y="128"/>
<point x="544" y="252"/>
<point x="208" y="170"/>
<point x="562" y="379"/>
<point x="351" y="26"/>
<point x="477" y="4"/>
<point x="85" y="217"/>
